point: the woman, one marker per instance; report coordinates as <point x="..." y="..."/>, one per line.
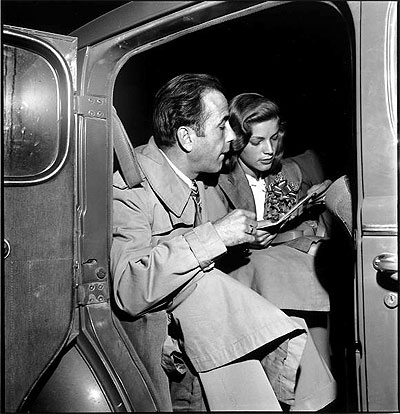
<point x="279" y="266"/>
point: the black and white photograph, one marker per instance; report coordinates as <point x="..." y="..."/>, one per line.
<point x="200" y="204"/>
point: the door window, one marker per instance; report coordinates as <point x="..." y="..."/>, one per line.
<point x="36" y="111"/>
<point x="31" y="138"/>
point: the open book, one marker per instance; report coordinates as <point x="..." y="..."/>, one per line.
<point x="274" y="226"/>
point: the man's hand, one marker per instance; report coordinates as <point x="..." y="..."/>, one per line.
<point x="237" y="227"/>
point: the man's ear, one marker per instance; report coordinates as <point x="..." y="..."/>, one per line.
<point x="185" y="138"/>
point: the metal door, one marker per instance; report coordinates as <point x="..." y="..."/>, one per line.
<point x="56" y="204"/>
<point x="376" y="282"/>
<point x="39" y="187"/>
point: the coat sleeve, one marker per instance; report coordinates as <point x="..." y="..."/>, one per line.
<point x="147" y="275"/>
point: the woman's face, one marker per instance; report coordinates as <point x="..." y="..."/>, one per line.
<point x="258" y="155"/>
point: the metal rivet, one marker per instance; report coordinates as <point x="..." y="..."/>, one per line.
<point x="100" y="298"/>
<point x="91" y="100"/>
<point x="99" y="114"/>
<point x="99" y="101"/>
<point x="91" y="287"/>
<point x="91" y="113"/>
<point x="101" y="273"/>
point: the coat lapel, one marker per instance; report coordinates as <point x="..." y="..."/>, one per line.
<point x="170" y="189"/>
<point x="237" y="189"/>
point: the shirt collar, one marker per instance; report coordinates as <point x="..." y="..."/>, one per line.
<point x="178" y="172"/>
<point x="254" y="182"/>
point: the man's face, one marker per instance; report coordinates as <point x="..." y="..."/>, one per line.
<point x="211" y="147"/>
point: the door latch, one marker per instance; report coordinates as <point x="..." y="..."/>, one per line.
<point x="387" y="267"/>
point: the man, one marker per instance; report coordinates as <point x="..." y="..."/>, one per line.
<point x="165" y="248"/>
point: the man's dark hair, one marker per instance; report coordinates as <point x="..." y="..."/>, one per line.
<point x="179" y="103"/>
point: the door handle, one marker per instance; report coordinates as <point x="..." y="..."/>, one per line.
<point x="387" y="277"/>
<point x="6" y="248"/>
<point x="387" y="263"/>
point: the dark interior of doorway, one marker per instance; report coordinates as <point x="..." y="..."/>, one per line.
<point x="299" y="54"/>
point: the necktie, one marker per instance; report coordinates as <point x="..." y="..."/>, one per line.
<point x="197" y="202"/>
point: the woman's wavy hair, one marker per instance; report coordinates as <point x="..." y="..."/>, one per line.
<point x="248" y="109"/>
<point x="179" y="103"/>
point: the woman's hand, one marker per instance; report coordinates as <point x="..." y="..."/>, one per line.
<point x="262" y="239"/>
<point x="319" y="189"/>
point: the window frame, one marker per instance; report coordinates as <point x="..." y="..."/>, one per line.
<point x="64" y="119"/>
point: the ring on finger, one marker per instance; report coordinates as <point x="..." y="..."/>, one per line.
<point x="251" y="229"/>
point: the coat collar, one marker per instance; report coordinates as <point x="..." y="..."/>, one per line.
<point x="237" y="188"/>
<point x="173" y="192"/>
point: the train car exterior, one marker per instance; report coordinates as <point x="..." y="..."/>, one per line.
<point x="64" y="348"/>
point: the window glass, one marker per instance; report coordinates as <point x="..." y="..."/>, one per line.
<point x="30" y="113"/>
